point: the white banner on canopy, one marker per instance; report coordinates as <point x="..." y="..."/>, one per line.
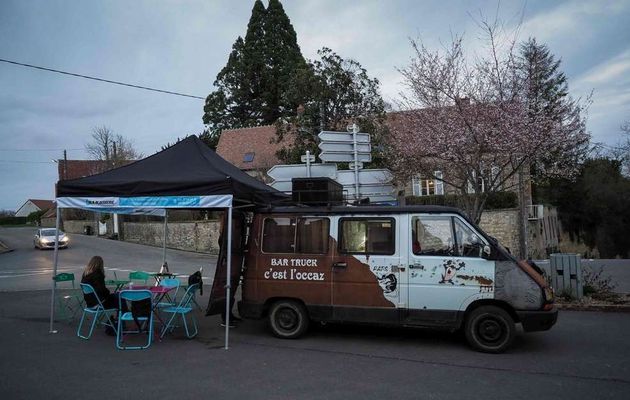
<point x="124" y="205"/>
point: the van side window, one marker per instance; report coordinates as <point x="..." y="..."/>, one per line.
<point x="432" y="236"/>
<point x="312" y="235"/>
<point x="469" y="244"/>
<point x="367" y="236"/>
<point x="280" y="235"/>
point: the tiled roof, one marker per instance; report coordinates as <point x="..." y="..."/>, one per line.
<point x="51" y="213"/>
<point x="239" y="146"/>
<point x="80" y="168"/>
<point x="43" y="204"/>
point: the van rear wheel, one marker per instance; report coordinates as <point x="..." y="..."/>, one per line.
<point x="288" y="319"/>
<point x="490" y="329"/>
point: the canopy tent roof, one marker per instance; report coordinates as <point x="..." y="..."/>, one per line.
<point x="187" y="168"/>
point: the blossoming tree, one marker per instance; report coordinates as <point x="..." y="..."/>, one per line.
<point x="469" y="117"/>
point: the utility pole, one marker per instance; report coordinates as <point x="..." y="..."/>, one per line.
<point x="355" y="130"/>
<point x="65" y="165"/>
<point x="522" y="214"/>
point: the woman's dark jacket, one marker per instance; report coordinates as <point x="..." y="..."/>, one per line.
<point x="97" y="280"/>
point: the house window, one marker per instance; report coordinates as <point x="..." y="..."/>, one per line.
<point x="488" y="181"/>
<point x="249" y="157"/>
<point x="428" y="186"/>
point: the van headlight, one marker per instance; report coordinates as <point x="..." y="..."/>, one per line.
<point x="548" y="291"/>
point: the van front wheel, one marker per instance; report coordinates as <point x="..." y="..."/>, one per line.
<point x="490" y="329"/>
<point x="288" y="319"/>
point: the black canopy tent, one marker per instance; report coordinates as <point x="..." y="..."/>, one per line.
<point x="187" y="175"/>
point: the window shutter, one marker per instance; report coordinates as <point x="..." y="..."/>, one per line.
<point x="439" y="184"/>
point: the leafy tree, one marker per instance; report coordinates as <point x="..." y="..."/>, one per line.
<point x="211" y="139"/>
<point x="340" y="92"/>
<point x="593" y="206"/>
<point x="251" y="89"/>
<point x="113" y="148"/>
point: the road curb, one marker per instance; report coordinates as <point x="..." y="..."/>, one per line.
<point x="620" y="308"/>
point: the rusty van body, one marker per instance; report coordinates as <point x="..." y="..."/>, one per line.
<point x="416" y="266"/>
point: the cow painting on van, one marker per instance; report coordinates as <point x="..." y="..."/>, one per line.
<point x="413" y="266"/>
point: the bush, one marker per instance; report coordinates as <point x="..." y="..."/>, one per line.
<point x="12" y="220"/>
<point x="494" y="201"/>
<point x="597" y="286"/>
<point x="36" y="216"/>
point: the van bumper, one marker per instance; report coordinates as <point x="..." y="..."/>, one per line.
<point x="537" y="320"/>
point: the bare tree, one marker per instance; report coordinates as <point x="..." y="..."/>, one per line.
<point x="469" y="118"/>
<point x="115" y="149"/>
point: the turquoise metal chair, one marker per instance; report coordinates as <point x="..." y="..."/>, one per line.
<point x="97" y="312"/>
<point x="182" y="309"/>
<point x="133" y="295"/>
<point x="68" y="304"/>
<point x="172" y="301"/>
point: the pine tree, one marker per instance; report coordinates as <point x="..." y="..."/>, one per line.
<point x="256" y="85"/>
<point x="546" y="92"/>
<point x="285" y="62"/>
<point x="546" y="84"/>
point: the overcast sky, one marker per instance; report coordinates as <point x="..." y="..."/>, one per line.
<point x="181" y="45"/>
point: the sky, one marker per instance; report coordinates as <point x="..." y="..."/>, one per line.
<point x="181" y="46"/>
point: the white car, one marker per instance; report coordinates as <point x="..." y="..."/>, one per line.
<point x="45" y="239"/>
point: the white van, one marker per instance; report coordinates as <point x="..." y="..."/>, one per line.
<point x="416" y="266"/>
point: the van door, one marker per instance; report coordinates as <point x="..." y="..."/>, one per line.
<point x="445" y="269"/>
<point x="366" y="269"/>
<point x="431" y="268"/>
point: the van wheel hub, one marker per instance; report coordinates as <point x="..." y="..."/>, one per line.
<point x="287" y="319"/>
<point x="490" y="330"/>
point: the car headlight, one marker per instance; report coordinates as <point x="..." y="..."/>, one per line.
<point x="42" y="240"/>
<point x="64" y="239"/>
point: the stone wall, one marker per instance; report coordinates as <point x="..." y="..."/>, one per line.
<point x="503" y="225"/>
<point x="201" y="236"/>
<point x="77" y="226"/>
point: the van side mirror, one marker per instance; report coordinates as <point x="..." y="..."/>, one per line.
<point x="487" y="251"/>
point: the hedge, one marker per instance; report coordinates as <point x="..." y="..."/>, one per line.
<point x="12" y="220"/>
<point x="495" y="200"/>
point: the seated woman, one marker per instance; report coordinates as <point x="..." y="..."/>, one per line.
<point x="94" y="275"/>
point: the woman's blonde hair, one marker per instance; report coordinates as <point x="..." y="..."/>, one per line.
<point x="95" y="265"/>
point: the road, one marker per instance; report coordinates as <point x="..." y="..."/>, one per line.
<point x="26" y="268"/>
<point x="585" y="356"/>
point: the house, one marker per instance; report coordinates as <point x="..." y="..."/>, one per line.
<point x="252" y="150"/>
<point x="73" y="169"/>
<point x="49" y="219"/>
<point x="33" y="205"/>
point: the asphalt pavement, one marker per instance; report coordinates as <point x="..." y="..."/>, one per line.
<point x="27" y="268"/>
<point x="585" y="356"/>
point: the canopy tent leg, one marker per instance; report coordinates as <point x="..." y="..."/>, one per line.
<point x="165" y="234"/>
<point x="56" y="258"/>
<point x="228" y="284"/>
